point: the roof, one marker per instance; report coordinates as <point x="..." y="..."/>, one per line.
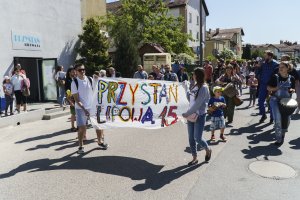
<point x="280" y="47"/>
<point x="115" y="6"/>
<point x="225" y="34"/>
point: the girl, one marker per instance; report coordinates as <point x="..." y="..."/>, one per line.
<point x="252" y="83"/>
<point x="281" y="85"/>
<point x="8" y="91"/>
<point x="198" y="97"/>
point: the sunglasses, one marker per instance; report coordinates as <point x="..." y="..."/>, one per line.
<point x="80" y="70"/>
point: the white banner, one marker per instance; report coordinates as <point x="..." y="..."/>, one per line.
<point x="137" y="103"/>
<point x="26" y="41"/>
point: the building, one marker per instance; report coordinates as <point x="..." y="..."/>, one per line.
<point x="38" y="34"/>
<point x="189" y="10"/>
<point x="219" y="39"/>
<point x="92" y="8"/>
<point x="279" y="49"/>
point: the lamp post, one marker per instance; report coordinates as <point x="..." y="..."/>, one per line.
<point x="201" y="34"/>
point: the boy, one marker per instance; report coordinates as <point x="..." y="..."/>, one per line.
<point x="252" y="83"/>
<point x="216" y="105"/>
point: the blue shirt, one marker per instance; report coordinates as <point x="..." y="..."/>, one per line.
<point x="218" y="112"/>
<point x="267" y="70"/>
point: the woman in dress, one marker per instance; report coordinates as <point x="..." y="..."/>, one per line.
<point x="198" y="97"/>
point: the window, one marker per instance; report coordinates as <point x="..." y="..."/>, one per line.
<point x="191" y="33"/>
<point x="198" y="21"/>
<point x="190" y="17"/>
<point x="198" y="36"/>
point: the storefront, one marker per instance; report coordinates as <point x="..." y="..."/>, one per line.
<point x="39" y="35"/>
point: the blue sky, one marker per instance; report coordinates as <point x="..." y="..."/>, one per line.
<point x="263" y="21"/>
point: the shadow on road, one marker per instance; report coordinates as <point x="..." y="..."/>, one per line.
<point x="133" y="168"/>
<point x="295" y="143"/>
<point x="64" y="144"/>
<point x="295" y="117"/>
<point x="266" y="151"/>
<point x="254" y="128"/>
<point x="42" y="137"/>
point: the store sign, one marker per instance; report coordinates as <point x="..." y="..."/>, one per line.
<point x="26" y="41"/>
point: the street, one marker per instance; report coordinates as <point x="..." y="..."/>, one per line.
<point x="39" y="161"/>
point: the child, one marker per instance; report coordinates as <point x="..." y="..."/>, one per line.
<point x="252" y="83"/>
<point x="8" y="91"/>
<point x="216" y="105"/>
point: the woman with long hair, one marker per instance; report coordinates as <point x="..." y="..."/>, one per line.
<point x="229" y="76"/>
<point x="60" y="77"/>
<point x="198" y="97"/>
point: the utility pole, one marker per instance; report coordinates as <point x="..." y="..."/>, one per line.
<point x="201" y="33"/>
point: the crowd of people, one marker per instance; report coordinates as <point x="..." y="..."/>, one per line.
<point x="211" y="90"/>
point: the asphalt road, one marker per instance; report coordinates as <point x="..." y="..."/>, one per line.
<point x="39" y="161"/>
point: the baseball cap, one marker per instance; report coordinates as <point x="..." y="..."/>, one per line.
<point x="6" y="77"/>
<point x="217" y="88"/>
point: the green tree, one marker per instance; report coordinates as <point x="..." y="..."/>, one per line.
<point x="257" y="53"/>
<point x="247" y="52"/>
<point x="126" y="55"/>
<point x="148" y="22"/>
<point x="93" y="47"/>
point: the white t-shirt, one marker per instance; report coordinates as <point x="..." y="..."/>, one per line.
<point x="16" y="80"/>
<point x="60" y="75"/>
<point x="8" y="88"/>
<point x="85" y="92"/>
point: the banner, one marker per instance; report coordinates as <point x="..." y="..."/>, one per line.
<point x="137" y="103"/>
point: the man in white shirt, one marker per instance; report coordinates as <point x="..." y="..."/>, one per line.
<point x="82" y="90"/>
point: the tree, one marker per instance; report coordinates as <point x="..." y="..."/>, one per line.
<point x="247" y="52"/>
<point x="227" y="54"/>
<point x="126" y="55"/>
<point x="258" y="53"/>
<point x="93" y="47"/>
<point x="148" y="22"/>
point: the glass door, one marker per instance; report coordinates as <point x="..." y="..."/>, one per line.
<point x="47" y="71"/>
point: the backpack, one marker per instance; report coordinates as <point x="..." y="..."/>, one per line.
<point x="61" y="82"/>
<point x="89" y="78"/>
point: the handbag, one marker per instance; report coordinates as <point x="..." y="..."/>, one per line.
<point x="193" y="117"/>
<point x="237" y="101"/>
<point x="25" y="92"/>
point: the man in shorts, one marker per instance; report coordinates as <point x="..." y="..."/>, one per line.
<point x="82" y="90"/>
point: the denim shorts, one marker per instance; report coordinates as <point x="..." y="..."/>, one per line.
<point x="81" y="118"/>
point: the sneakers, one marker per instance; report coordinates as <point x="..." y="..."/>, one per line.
<point x="262" y="119"/>
<point x="213" y="138"/>
<point x="80" y="150"/>
<point x="223" y="138"/>
<point x="103" y="146"/>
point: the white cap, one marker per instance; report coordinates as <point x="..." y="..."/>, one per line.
<point x="6" y="77"/>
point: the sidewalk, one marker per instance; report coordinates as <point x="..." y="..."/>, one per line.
<point x="35" y="112"/>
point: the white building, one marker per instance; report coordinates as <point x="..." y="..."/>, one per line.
<point x="38" y="34"/>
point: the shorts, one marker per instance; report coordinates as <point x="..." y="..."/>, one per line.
<point x="81" y="118"/>
<point x="217" y="123"/>
<point x="20" y="98"/>
<point x="72" y="110"/>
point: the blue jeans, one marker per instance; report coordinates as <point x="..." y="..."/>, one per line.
<point x="61" y="95"/>
<point x="195" y="131"/>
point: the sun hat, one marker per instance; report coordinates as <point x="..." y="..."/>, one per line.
<point x="217" y="88"/>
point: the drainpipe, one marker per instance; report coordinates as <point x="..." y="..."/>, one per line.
<point x="201" y="34"/>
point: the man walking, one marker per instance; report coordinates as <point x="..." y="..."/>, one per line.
<point x="82" y="90"/>
<point x="265" y="73"/>
<point x="140" y="74"/>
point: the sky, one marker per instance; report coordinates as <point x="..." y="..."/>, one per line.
<point x="263" y="21"/>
